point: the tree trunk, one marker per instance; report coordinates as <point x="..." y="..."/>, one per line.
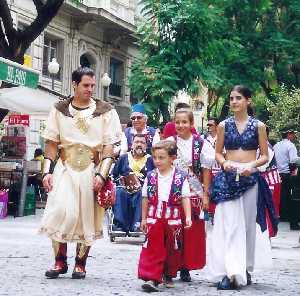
<point x="164" y="109"/>
<point x="15" y="42"/>
<point x="225" y="109"/>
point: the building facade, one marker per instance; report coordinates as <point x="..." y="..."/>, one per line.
<point x="94" y="33"/>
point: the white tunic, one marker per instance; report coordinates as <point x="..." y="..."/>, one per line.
<point x="185" y="153"/>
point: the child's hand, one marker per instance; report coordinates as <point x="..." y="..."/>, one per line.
<point x="188" y="223"/>
<point x="144" y="225"/>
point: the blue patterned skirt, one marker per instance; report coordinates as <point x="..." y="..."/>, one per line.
<point x="226" y="186"/>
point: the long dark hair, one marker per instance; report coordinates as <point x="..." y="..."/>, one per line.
<point x="245" y="92"/>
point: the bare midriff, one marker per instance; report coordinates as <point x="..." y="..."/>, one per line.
<point x="241" y="155"/>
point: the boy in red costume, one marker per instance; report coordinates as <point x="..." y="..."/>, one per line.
<point x="165" y="200"/>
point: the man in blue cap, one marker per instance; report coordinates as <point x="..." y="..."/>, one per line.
<point x="139" y="126"/>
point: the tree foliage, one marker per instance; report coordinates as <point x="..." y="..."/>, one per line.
<point x="173" y="55"/>
<point x="285" y="113"/>
<point x="220" y="43"/>
<point x="268" y="44"/>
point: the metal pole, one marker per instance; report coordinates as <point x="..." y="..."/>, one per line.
<point x="105" y="92"/>
<point x="52" y="75"/>
<point x="23" y="190"/>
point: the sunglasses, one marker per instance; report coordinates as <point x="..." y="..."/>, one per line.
<point x="136" y="117"/>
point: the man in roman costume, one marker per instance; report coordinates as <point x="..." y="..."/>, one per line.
<point x="81" y="131"/>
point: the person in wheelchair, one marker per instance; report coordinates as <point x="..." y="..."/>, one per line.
<point x="129" y="174"/>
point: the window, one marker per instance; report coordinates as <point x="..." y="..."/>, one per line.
<point x="53" y="48"/>
<point x="117" y="77"/>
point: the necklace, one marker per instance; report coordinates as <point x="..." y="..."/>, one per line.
<point x="83" y="117"/>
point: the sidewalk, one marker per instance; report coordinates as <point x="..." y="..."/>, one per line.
<point x="112" y="267"/>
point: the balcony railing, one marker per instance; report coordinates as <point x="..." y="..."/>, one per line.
<point x="115" y="90"/>
<point x="120" y="9"/>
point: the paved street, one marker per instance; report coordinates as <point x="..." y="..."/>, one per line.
<point x="112" y="267"/>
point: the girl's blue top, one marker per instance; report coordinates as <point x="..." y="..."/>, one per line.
<point x="247" y="140"/>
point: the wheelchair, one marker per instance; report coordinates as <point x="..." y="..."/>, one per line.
<point x="113" y="233"/>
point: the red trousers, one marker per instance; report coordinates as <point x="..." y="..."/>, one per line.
<point x="276" y="200"/>
<point x="162" y="252"/>
<point x="273" y="179"/>
<point x="194" y="246"/>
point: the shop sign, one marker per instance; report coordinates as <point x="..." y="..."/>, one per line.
<point x="18" y="119"/>
<point x="17" y="74"/>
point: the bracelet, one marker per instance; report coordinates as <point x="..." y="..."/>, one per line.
<point x="48" y="166"/>
<point x="101" y="177"/>
<point x="105" y="167"/>
<point x="44" y="175"/>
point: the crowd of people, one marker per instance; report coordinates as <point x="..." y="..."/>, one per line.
<point x="168" y="184"/>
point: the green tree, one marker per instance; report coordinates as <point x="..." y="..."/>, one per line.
<point x="178" y="44"/>
<point x="285" y="112"/>
<point x="220" y="43"/>
<point x="268" y="49"/>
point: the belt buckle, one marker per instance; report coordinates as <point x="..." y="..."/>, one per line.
<point x="79" y="157"/>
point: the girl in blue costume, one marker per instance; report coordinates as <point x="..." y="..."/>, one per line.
<point x="241" y="194"/>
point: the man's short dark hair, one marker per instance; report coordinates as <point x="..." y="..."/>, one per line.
<point x="38" y="152"/>
<point x="284" y="134"/>
<point x="81" y="71"/>
<point x="140" y="136"/>
<point x="215" y="119"/>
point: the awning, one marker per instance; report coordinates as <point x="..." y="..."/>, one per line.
<point x="27" y="100"/>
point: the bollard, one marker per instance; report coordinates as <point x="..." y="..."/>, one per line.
<point x="23" y="190"/>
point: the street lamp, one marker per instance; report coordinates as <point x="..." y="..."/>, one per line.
<point x="105" y="80"/>
<point x="53" y="69"/>
<point x="199" y="112"/>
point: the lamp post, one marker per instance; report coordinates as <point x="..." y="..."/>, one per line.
<point x="53" y="69"/>
<point x="199" y="112"/>
<point x="105" y="80"/>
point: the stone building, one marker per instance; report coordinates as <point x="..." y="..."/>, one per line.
<point x="94" y="33"/>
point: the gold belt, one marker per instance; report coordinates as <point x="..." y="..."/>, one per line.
<point x="79" y="156"/>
